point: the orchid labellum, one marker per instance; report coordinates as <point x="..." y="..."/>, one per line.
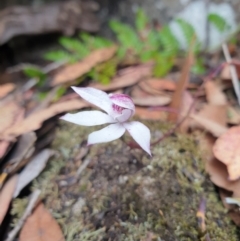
<point x="119" y="108"/>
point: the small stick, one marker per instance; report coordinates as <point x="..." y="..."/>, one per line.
<point x="233" y="71"/>
<point x="31" y="204"/>
<point x="83" y="167"/>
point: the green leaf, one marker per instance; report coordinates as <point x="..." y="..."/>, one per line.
<point x="60" y="92"/>
<point x="57" y="56"/>
<point x="163" y="66"/>
<point x="94" y="42"/>
<point x="127" y="37"/>
<point x="153" y="40"/>
<point x="75" y="46"/>
<point x="42" y="95"/>
<point x="33" y="72"/>
<point x="198" y="68"/>
<point x="187" y="29"/>
<point x="141" y="20"/>
<point x="218" y="21"/>
<point x="168" y="41"/>
<point x="147" y="55"/>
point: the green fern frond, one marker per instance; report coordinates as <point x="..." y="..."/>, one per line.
<point x="94" y="42"/>
<point x="141" y="21"/>
<point x="168" y="41"/>
<point x="218" y="21"/>
<point x="75" y="46"/>
<point x="126" y="36"/>
<point x="187" y="29"/>
<point x="58" y="56"/>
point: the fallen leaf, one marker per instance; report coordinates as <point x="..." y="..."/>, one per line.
<point x="23" y="149"/>
<point x="6" y="89"/>
<point x="34" y="121"/>
<point x="187" y="109"/>
<point x="5" y="145"/>
<point x="152" y="100"/>
<point x="129" y="77"/>
<point x="148" y="114"/>
<point x="215" y="113"/>
<point x="6" y="195"/>
<point x="213" y="127"/>
<point x="226" y="150"/>
<point x="76" y="70"/>
<point x="3" y="177"/>
<point x="226" y="74"/>
<point x="10" y="111"/>
<point x="148" y="89"/>
<point x="180" y="88"/>
<point x="32" y="169"/>
<point x="214" y="93"/>
<point x="219" y="176"/>
<point x="161" y="84"/>
<point x="41" y="226"/>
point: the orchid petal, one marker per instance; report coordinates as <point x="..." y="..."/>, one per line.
<point x="109" y="133"/>
<point x="95" y="97"/>
<point x="140" y="133"/>
<point x="122" y="100"/>
<point x="88" y="118"/>
<point x="126" y="114"/>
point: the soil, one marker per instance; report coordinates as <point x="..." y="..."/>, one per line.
<point x="124" y="194"/>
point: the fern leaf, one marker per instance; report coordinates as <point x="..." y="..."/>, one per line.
<point x="168" y="41"/>
<point x="141" y="20"/>
<point x="218" y="21"/>
<point x="75" y="46"/>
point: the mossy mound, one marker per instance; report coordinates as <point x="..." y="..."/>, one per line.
<point x="125" y="195"/>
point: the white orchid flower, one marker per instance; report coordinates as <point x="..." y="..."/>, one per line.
<point x="119" y="108"/>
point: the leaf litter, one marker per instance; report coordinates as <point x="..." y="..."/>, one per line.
<point x="161" y="99"/>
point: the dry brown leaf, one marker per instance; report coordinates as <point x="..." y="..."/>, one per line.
<point x="187" y="109"/>
<point x="23" y="149"/>
<point x="161" y="84"/>
<point x="225" y="74"/>
<point x="152" y="100"/>
<point x="148" y="89"/>
<point x="32" y="169"/>
<point x="215" y="113"/>
<point x="129" y="77"/>
<point x="214" y="93"/>
<point x="6" y="195"/>
<point x="216" y="169"/>
<point x="41" y="226"/>
<point x="5" y="145"/>
<point x="211" y="126"/>
<point x="219" y="176"/>
<point x="226" y="150"/>
<point x="138" y="92"/>
<point x="180" y="88"/>
<point x="6" y="89"/>
<point x="34" y="121"/>
<point x="147" y="114"/>
<point x="9" y="111"/>
<point x="76" y="70"/>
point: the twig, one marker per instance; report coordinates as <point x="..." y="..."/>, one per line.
<point x="233" y="71"/>
<point x="31" y="204"/>
<point x="82" y="167"/>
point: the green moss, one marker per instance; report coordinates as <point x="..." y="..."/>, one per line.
<point x="125" y="195"/>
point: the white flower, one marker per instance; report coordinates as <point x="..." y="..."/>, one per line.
<point x="119" y="108"/>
